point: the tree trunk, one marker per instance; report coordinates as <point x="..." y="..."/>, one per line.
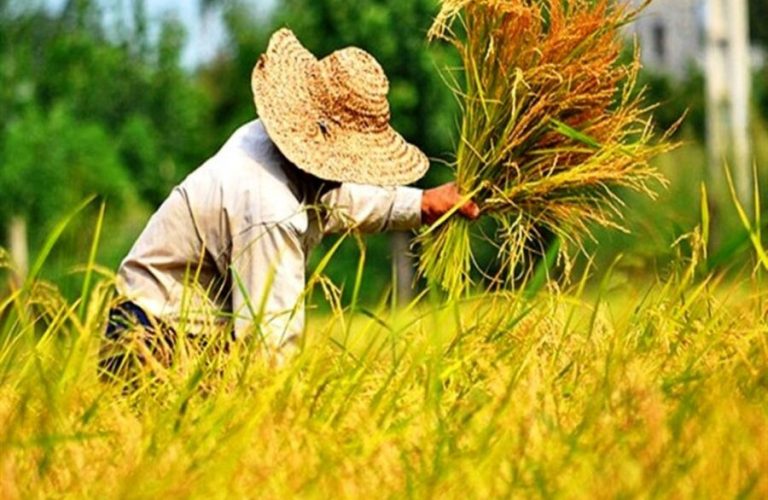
<point x="17" y="239"/>
<point x="727" y="92"/>
<point x="402" y="262"/>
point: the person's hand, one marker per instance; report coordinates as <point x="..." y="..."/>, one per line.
<point x="437" y="201"/>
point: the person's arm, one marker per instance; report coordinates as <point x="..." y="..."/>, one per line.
<point x="267" y="283"/>
<point x="374" y="209"/>
<point x="370" y="209"/>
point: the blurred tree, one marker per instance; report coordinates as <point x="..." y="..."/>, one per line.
<point x="89" y="108"/>
<point x="677" y="98"/>
<point x="50" y="162"/>
<point x="226" y="79"/>
<point x="209" y="5"/>
<point x="111" y="79"/>
<point x="758" y="14"/>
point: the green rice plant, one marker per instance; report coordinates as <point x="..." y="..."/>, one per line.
<point x="753" y="229"/>
<point x="658" y="388"/>
<point x="552" y="125"/>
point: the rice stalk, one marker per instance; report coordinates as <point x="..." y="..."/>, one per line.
<point x="552" y="125"/>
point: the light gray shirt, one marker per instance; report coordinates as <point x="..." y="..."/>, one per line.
<point x="232" y="240"/>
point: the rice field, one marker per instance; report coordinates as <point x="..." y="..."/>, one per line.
<point x="610" y="384"/>
<point x="609" y="387"/>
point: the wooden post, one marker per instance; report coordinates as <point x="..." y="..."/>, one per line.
<point x="403" y="272"/>
<point x="727" y="68"/>
<point x="739" y="76"/>
<point x="716" y="88"/>
<point x="17" y="239"/>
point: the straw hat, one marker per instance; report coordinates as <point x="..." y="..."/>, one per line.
<point x="331" y="117"/>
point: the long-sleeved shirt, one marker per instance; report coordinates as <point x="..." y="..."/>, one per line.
<point x="232" y="240"/>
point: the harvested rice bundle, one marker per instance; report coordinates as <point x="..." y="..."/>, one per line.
<point x="552" y="124"/>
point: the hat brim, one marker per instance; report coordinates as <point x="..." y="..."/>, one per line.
<point x="294" y="122"/>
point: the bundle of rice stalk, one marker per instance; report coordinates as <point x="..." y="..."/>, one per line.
<point x="552" y="124"/>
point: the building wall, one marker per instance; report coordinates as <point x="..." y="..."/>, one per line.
<point x="671" y="35"/>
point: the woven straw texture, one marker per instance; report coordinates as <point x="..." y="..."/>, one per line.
<point x="331" y="117"/>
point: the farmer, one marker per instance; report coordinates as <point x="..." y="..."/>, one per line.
<point x="230" y="244"/>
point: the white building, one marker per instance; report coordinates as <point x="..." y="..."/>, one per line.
<point x="672" y="36"/>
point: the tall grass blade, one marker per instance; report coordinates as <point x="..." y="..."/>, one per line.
<point x="754" y="232"/>
<point x="91" y="262"/>
<point x="52" y="238"/>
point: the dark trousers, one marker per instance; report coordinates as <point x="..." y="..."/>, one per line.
<point x="135" y="343"/>
<point x="138" y="347"/>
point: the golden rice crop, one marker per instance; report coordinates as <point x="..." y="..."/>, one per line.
<point x="647" y="391"/>
<point x="644" y="388"/>
<point x="552" y="124"/>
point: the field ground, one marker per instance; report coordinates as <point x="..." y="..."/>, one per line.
<point x="623" y="390"/>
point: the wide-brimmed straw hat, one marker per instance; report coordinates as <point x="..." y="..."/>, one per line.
<point x="331" y="117"/>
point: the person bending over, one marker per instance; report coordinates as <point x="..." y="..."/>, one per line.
<point x="230" y="243"/>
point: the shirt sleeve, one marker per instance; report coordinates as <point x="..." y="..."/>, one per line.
<point x="267" y="283"/>
<point x="371" y="209"/>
